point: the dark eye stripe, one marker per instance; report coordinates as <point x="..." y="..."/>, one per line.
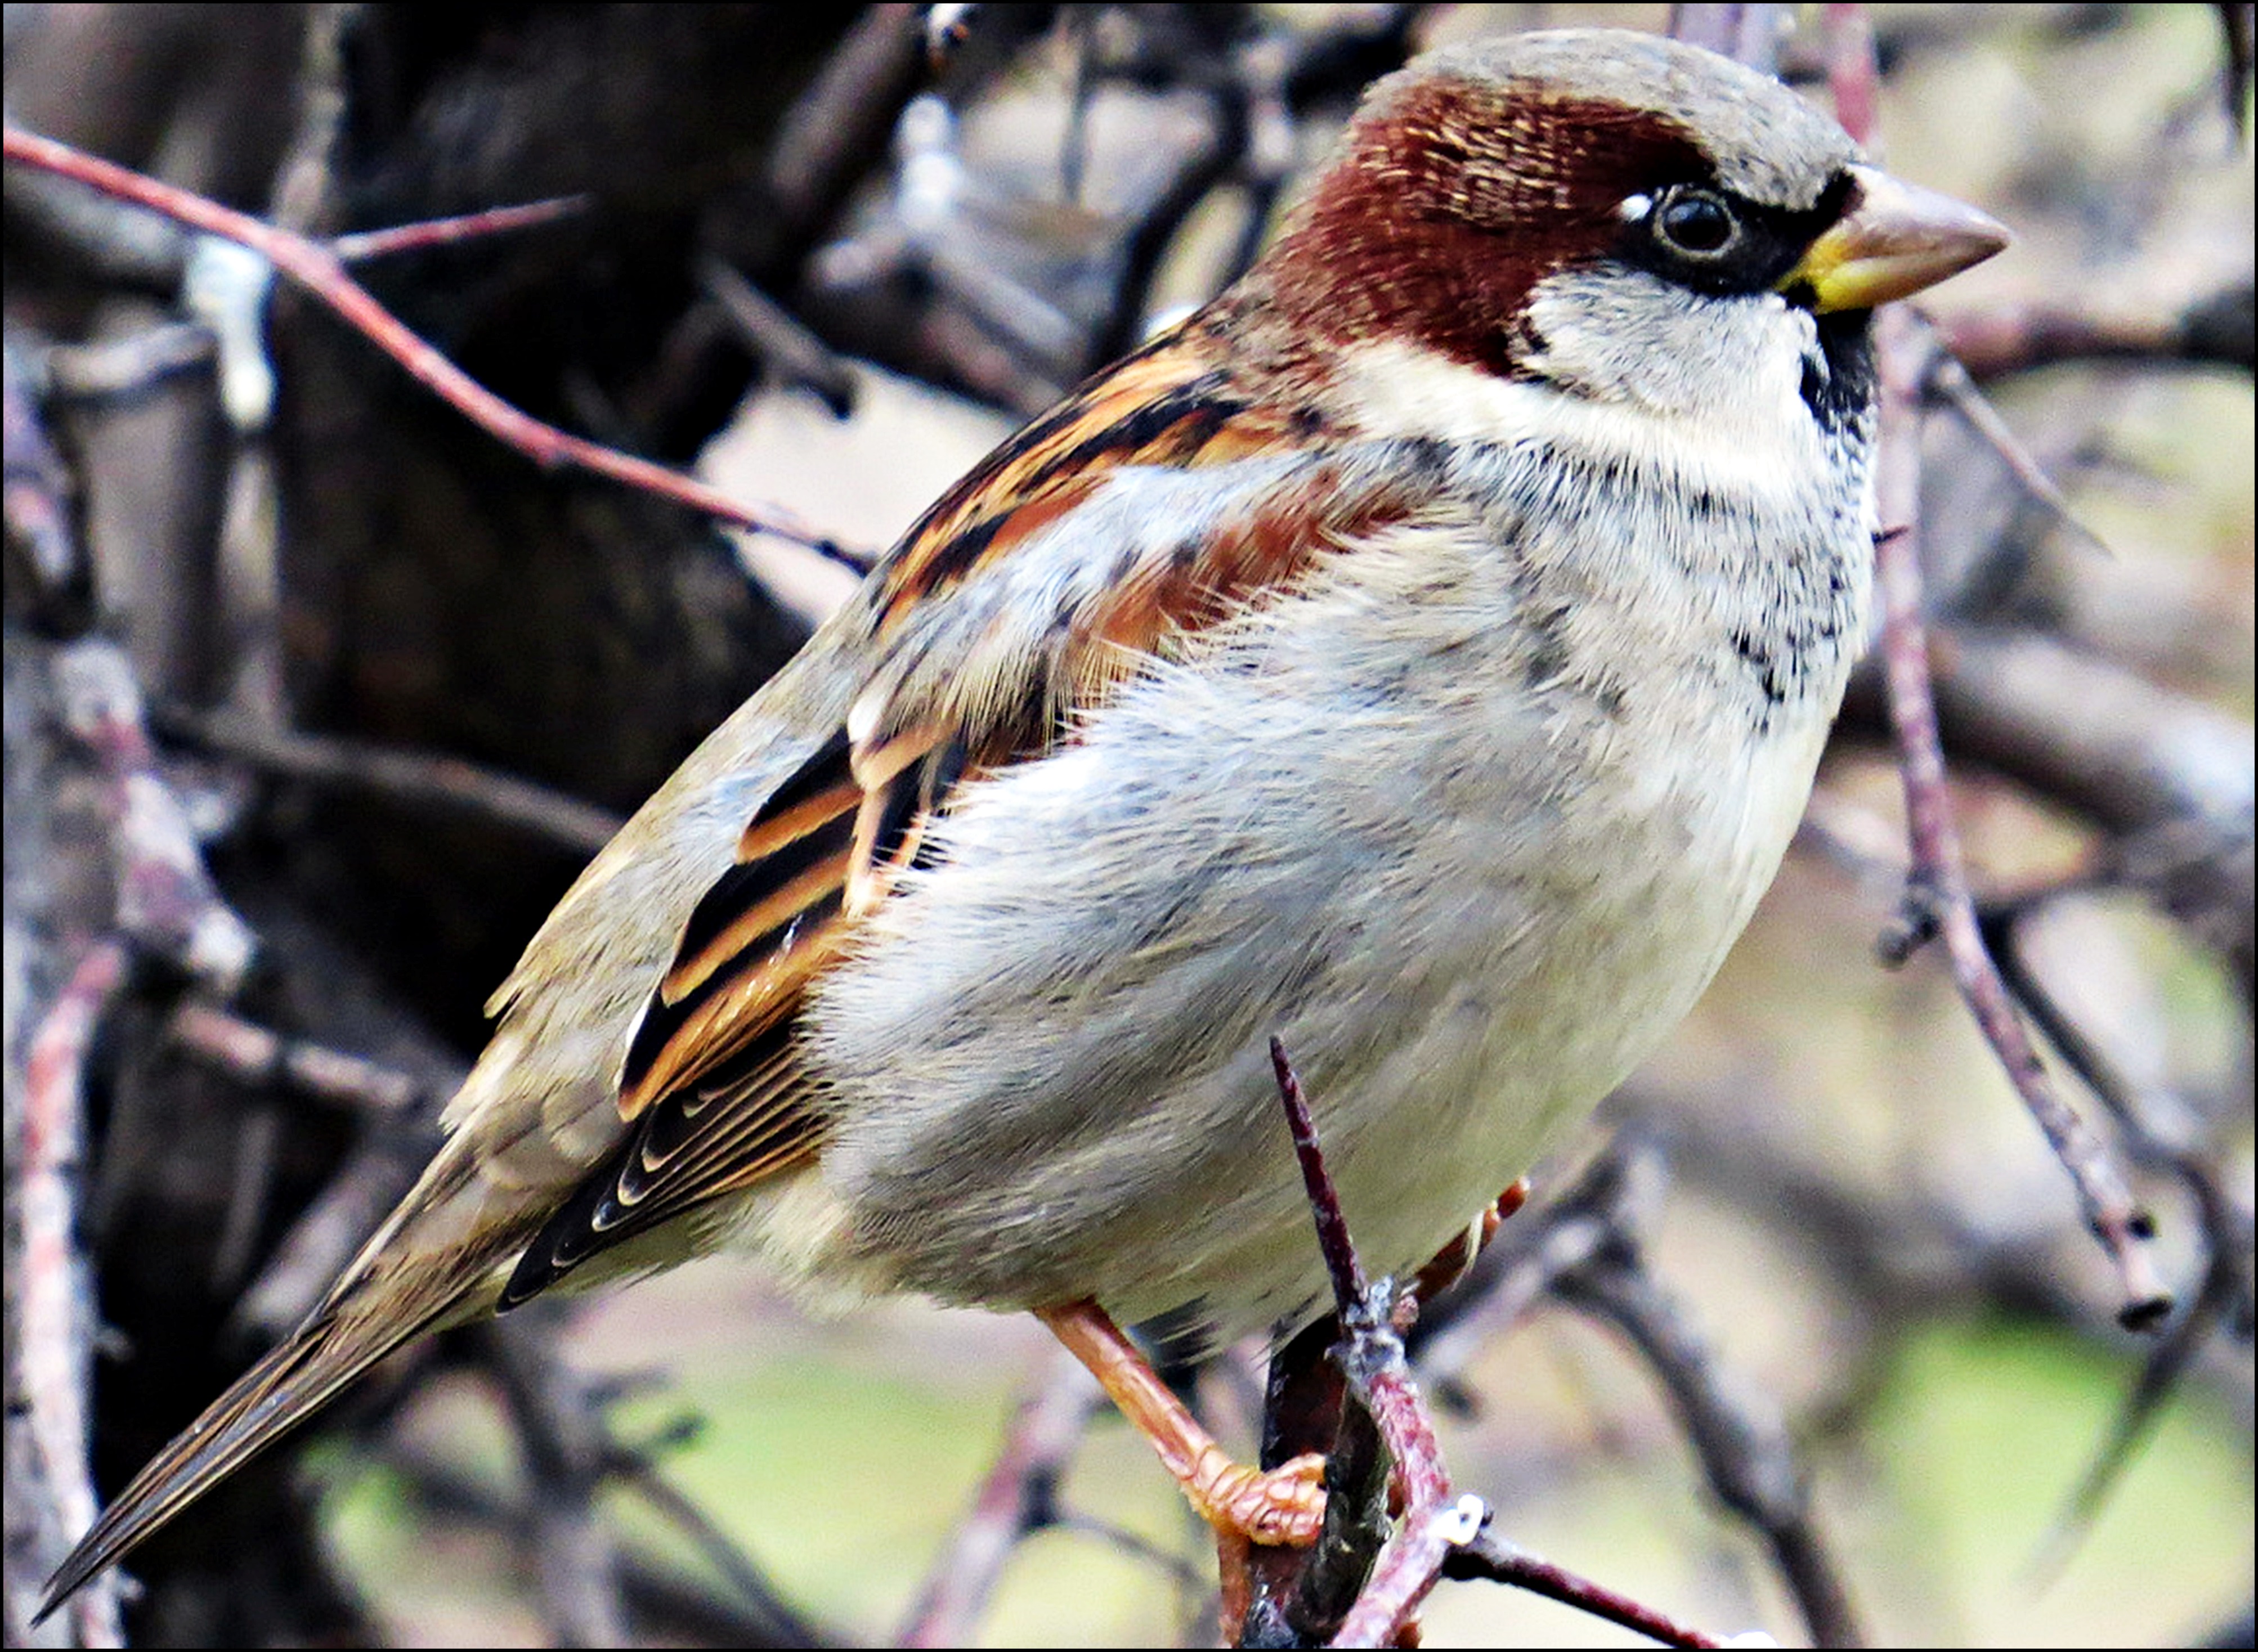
<point x="1761" y="246"/>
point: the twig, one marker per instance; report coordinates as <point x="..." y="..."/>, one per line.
<point x="566" y="1455"/>
<point x="299" y="1270"/>
<point x="166" y="900"/>
<point x="1513" y="1275"/>
<point x="1741" y="1439"/>
<point x="1016" y="1500"/>
<point x="318" y="269"/>
<point x="366" y="245"/>
<point x="1748" y="34"/>
<point x="2214" y="330"/>
<point x="1937" y="895"/>
<point x="2225" y="1291"/>
<point x="1333" y="1240"/>
<point x="1220" y="151"/>
<point x="1371" y="1357"/>
<point x="114" y="370"/>
<point x="1854" y="71"/>
<point x="657" y="1593"/>
<point x="779" y="1624"/>
<point x="779" y="338"/>
<point x="50" y="1308"/>
<point x="1489" y="1559"/>
<point x="428" y="780"/>
<point x="258" y="1056"/>
<point x="1947" y="381"/>
<point x="838" y="127"/>
<point x="38" y="491"/>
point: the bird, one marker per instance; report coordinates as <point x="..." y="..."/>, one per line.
<point x="1420" y="653"/>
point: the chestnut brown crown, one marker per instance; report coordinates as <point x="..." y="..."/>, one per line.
<point x="1470" y="177"/>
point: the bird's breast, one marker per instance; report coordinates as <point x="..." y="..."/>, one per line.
<point x="1383" y="821"/>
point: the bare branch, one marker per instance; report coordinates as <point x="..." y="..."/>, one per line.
<point x="319" y="271"/>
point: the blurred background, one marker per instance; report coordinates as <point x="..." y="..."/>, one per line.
<point x="1804" y="1336"/>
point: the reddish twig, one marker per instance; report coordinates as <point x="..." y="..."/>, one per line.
<point x="319" y="271"/>
<point x="470" y="226"/>
<point x="1016" y="1500"/>
<point x="1937" y="895"/>
<point x="1371" y="1357"/>
<point x="1490" y="1558"/>
<point x="1333" y="1240"/>
<point x="53" y="1344"/>
<point x="1854" y="76"/>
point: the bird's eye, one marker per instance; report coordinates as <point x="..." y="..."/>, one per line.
<point x="1696" y="223"/>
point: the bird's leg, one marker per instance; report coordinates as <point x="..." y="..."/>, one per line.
<point x="1282" y="1506"/>
<point x="1453" y="1262"/>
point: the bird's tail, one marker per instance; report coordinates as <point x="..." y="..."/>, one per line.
<point x="301" y="1376"/>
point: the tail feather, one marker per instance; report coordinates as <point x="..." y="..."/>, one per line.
<point x="301" y="1376"/>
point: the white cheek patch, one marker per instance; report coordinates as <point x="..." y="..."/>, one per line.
<point x="1765" y="447"/>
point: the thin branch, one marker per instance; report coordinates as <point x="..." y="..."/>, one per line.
<point x="1938" y="894"/>
<point x="1371" y="1357"/>
<point x="2225" y="1292"/>
<point x="38" y="489"/>
<point x="566" y="1455"/>
<point x="366" y="245"/>
<point x="1948" y="382"/>
<point x="1739" y="1437"/>
<point x="51" y="1309"/>
<point x="166" y="898"/>
<point x="1490" y="1558"/>
<point x="426" y="780"/>
<point x="782" y="341"/>
<point x="1748" y="34"/>
<point x="318" y="270"/>
<point x="658" y="1594"/>
<point x="114" y="370"/>
<point x="257" y="1056"/>
<point x="760" y="1604"/>
<point x="2214" y="332"/>
<point x="1016" y="1500"/>
<point x="1333" y="1240"/>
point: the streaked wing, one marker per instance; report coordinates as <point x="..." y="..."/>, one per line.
<point x="1157" y="500"/>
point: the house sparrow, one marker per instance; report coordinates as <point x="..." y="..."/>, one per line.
<point x="1422" y="653"/>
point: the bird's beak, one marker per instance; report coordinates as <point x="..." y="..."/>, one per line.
<point x="1892" y="240"/>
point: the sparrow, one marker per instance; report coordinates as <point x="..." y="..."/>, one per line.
<point x="1420" y="654"/>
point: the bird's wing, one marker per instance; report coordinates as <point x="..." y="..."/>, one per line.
<point x="1081" y="548"/>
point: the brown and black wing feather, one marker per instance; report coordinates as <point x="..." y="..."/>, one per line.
<point x="710" y="1091"/>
